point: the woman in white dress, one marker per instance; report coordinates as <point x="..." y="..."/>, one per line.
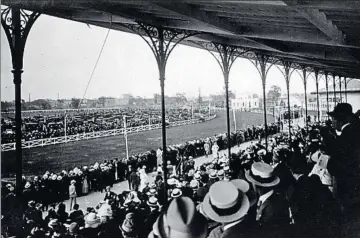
<point x="143" y="177"/>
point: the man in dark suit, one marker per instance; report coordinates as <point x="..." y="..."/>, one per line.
<point x="272" y="208"/>
<point x="344" y="163"/>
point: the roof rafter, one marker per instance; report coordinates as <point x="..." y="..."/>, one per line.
<point x="321" y="21"/>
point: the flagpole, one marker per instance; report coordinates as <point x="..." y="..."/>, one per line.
<point x="125" y="136"/>
<point x="65" y="128"/>
<point x="234" y="118"/>
<point x="209" y="109"/>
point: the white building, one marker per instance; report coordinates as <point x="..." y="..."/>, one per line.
<point x="352" y="97"/>
<point x="246" y="102"/>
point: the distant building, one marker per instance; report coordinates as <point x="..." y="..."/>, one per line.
<point x="353" y="97"/>
<point x="246" y="102"/>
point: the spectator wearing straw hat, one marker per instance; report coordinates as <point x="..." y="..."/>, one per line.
<point x="228" y="205"/>
<point x="181" y="220"/>
<point x="152" y="216"/>
<point x="272" y="208"/>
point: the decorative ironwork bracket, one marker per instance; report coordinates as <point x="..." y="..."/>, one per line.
<point x="17" y="32"/>
<point x="160" y="40"/>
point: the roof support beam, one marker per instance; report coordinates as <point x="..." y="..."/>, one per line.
<point x="320" y="21"/>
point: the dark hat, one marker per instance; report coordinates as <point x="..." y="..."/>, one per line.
<point x="341" y="110"/>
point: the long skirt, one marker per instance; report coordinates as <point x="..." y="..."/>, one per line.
<point x="85" y="187"/>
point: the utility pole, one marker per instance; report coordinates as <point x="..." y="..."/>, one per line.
<point x="29" y="97"/>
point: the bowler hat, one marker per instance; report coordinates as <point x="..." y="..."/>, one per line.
<point x="341" y="110"/>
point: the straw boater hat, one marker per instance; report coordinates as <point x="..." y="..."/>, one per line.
<point x="261" y="152"/>
<point x="197" y="176"/>
<point x="152" y="202"/>
<point x="212" y="174"/>
<point x="225" y="203"/>
<point x="194" y="184"/>
<point x="244" y="187"/>
<point x="220" y="173"/>
<point x="176" y="193"/>
<point x="152" y="192"/>
<point x="92" y="220"/>
<point x="261" y="174"/>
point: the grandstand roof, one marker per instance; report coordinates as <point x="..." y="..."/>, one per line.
<point x="318" y="33"/>
<point x="352" y="87"/>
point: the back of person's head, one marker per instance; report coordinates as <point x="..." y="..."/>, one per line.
<point x="76" y="206"/>
<point x="181" y="220"/>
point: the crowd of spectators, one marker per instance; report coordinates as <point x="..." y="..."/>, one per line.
<point x="42" y="126"/>
<point x="303" y="185"/>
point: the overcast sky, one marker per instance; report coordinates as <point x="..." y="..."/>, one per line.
<point x="61" y="54"/>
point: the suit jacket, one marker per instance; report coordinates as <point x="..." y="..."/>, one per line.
<point x="275" y="211"/>
<point x="344" y="163"/>
<point x="240" y="230"/>
<point x="285" y="175"/>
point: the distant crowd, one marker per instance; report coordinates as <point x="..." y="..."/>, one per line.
<point x="42" y="126"/>
<point x="303" y="185"/>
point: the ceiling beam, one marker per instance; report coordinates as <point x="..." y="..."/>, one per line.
<point x="321" y="21"/>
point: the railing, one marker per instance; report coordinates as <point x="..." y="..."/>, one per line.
<point x="96" y="134"/>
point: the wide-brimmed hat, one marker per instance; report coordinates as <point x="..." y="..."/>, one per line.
<point x="244" y="187"/>
<point x="176" y="193"/>
<point x="73" y="182"/>
<point x="151" y="192"/>
<point x="92" y="220"/>
<point x="27" y="185"/>
<point x="152" y="202"/>
<point x="181" y="220"/>
<point x="194" y="184"/>
<point x="220" y="173"/>
<point x="341" y="110"/>
<point x="197" y="176"/>
<point x="261" y="174"/>
<point x="128" y="226"/>
<point x="225" y="203"/>
<point x="171" y="181"/>
<point x="212" y="174"/>
<point x="261" y="152"/>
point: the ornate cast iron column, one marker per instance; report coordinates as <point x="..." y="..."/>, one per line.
<point x="317" y="93"/>
<point x="340" y="88"/>
<point x="161" y="42"/>
<point x="263" y="69"/>
<point x="327" y="93"/>
<point x="228" y="55"/>
<point x="287" y="75"/>
<point x="304" y="78"/>
<point x="346" y="82"/>
<point x="17" y="24"/>
<point x="225" y="58"/>
<point x="334" y="86"/>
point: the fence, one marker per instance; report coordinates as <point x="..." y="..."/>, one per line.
<point x="96" y="134"/>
